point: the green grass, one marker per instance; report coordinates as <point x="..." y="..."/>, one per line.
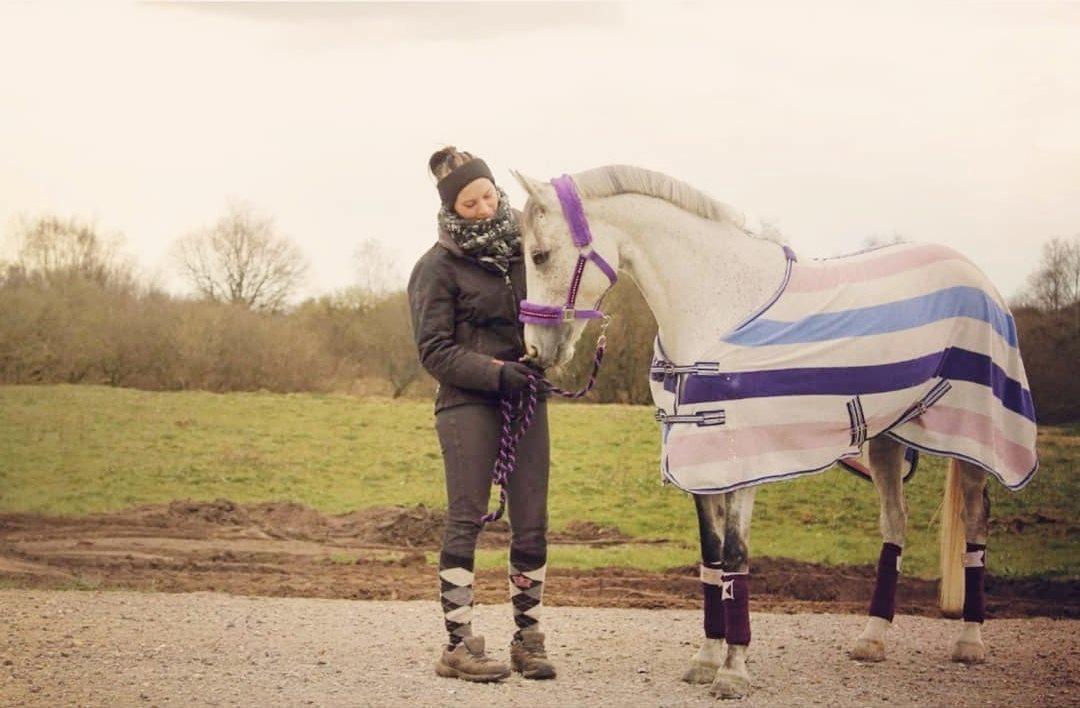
<point x="79" y="449"/>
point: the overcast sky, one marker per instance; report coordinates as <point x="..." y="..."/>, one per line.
<point x="954" y="123"/>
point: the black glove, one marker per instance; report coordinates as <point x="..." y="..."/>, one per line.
<point x="514" y="377"/>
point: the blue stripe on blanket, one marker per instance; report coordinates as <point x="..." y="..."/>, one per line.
<point x="952" y="363"/>
<point x="959" y="301"/>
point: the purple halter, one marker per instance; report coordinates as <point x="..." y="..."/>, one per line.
<point x="574" y="213"/>
<point x="522" y="407"/>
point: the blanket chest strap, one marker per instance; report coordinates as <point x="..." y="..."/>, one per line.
<point x="702" y="418"/>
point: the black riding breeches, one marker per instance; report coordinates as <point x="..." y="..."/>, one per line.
<point x="469" y="437"/>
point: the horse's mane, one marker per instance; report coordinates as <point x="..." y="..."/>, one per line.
<point x="623" y="179"/>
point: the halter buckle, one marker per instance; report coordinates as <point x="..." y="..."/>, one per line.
<point x="569" y="314"/>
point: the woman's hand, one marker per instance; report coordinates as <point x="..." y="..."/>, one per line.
<point x="514" y="376"/>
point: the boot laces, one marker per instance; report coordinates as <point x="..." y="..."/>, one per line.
<point x="535" y="646"/>
<point x="480" y="656"/>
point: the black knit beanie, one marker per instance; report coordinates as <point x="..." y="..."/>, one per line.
<point x="452" y="184"/>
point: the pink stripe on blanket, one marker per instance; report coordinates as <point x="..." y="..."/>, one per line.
<point x="720" y="444"/>
<point x="950" y="421"/>
<point x="814" y="276"/>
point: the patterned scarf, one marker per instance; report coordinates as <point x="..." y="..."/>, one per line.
<point x="494" y="241"/>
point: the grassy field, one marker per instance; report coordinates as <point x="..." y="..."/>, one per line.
<point x="79" y="449"/>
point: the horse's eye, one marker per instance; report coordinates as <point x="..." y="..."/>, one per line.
<point x="539" y="257"/>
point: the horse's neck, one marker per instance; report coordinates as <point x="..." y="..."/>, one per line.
<point x="701" y="278"/>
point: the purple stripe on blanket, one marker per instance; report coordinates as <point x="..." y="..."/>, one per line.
<point x="952" y="363"/>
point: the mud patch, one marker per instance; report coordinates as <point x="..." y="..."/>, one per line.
<point x="1018" y="523"/>
<point x="594" y="534"/>
<point x="290" y="550"/>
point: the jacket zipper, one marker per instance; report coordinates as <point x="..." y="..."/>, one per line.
<point x="514" y="309"/>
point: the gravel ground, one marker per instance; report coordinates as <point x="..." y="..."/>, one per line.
<point x="145" y="649"/>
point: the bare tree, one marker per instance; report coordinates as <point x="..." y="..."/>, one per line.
<point x="376" y="275"/>
<point x="1055" y="285"/>
<point x="240" y="259"/>
<point x="392" y="350"/>
<point x="51" y="247"/>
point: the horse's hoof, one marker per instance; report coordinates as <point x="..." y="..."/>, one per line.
<point x="868" y="650"/>
<point x="700" y="672"/>
<point x="969" y="652"/>
<point x="729" y="684"/>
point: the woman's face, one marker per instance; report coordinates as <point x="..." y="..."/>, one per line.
<point x="477" y="200"/>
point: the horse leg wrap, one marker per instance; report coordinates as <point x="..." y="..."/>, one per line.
<point x="735" y="595"/>
<point x="712" y="589"/>
<point x="974" y="583"/>
<point x="883" y="601"/>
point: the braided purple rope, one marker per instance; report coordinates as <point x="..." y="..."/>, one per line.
<point x="598" y="359"/>
<point x="506" y="461"/>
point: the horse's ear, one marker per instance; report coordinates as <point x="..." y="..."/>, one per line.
<point x="531" y="186"/>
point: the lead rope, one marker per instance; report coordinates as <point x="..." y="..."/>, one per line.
<point x="524" y="404"/>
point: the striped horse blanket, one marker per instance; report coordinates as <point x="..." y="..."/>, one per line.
<point x="909" y="340"/>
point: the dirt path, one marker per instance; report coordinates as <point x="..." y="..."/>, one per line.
<point x="153" y="649"/>
<point x="289" y="550"/>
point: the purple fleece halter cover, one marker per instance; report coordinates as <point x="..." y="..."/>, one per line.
<point x="574" y="213"/>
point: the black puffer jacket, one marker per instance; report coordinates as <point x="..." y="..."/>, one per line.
<point x="465" y="318"/>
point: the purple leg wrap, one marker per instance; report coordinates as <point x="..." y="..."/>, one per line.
<point x="714" y="608"/>
<point x="883" y="602"/>
<point x="974" y="583"/>
<point x="736" y="598"/>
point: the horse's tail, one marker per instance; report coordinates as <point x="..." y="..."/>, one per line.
<point x="953" y="537"/>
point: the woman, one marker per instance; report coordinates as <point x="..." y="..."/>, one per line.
<point x="464" y="293"/>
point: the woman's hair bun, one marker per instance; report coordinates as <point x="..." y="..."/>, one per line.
<point x="443" y="162"/>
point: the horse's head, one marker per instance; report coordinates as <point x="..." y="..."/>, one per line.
<point x="570" y="263"/>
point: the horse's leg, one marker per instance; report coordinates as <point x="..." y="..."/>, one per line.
<point x="710" y="657"/>
<point x="969" y="647"/>
<point x="886" y="468"/>
<point x="732" y="681"/>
